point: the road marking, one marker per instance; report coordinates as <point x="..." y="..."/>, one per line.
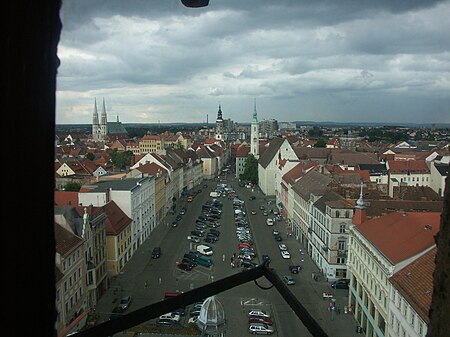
<point x="251" y="301"/>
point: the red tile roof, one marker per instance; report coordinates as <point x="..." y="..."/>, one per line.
<point x="65" y="240"/>
<point x="405" y="166"/>
<point x="243" y="151"/>
<point x="65" y="198"/>
<point x="401" y="235"/>
<point x="415" y="283"/>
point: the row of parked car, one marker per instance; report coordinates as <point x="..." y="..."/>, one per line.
<point x="246" y="250"/>
<point x="260" y="322"/>
<point x="204" y="234"/>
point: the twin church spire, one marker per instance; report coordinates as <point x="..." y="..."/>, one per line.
<point x="99" y="129"/>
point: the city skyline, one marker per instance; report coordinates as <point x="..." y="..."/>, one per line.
<point x="162" y="62"/>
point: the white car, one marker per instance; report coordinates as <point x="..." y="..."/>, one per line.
<point x="282" y="246"/>
<point x="172" y="316"/>
<point x="285" y="254"/>
<point x="269" y="222"/>
<point x="193" y="238"/>
<point x="258" y="313"/>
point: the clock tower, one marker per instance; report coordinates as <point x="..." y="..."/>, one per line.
<point x="254" y="137"/>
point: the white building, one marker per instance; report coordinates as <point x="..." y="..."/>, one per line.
<point x="379" y="248"/>
<point x="136" y="198"/>
<point x="410" y="297"/>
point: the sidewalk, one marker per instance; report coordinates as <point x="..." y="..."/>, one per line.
<point x="131" y="274"/>
<point x="336" y="322"/>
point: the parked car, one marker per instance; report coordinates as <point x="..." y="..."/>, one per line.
<point x="193" y="238"/>
<point x="262" y="320"/>
<point x="295" y="269"/>
<point x="278" y="238"/>
<point x="285" y="254"/>
<point x="171" y="315"/>
<point x="193" y="254"/>
<point x="246" y="257"/>
<point x="260" y="329"/>
<point x="258" y="313"/>
<point x="184" y="266"/>
<point x="275" y="232"/>
<point x="174" y="223"/>
<point x="252" y="197"/>
<point x="209" y="240"/>
<point x="269" y="222"/>
<point x="288" y="279"/>
<point x="245" y="245"/>
<point x="156" y="253"/>
<point x="189" y="261"/>
<point x="340" y="284"/>
<point x="249" y="265"/>
<point x="265" y="213"/>
<point x="125" y="302"/>
<point x="265" y="258"/>
<point x="194" y="312"/>
<point x="116" y="312"/>
<point x="214" y="231"/>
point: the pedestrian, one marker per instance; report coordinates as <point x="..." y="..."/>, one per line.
<point x="223" y="257"/>
<point x="159" y="280"/>
<point x="145" y="284"/>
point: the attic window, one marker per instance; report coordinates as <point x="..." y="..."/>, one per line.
<point x="428" y="227"/>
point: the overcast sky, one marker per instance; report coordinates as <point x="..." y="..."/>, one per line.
<point x="332" y="60"/>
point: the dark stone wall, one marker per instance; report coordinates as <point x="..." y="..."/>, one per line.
<point x="440" y="305"/>
<point x="32" y="35"/>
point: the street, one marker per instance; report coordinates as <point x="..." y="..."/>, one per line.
<point x="146" y="279"/>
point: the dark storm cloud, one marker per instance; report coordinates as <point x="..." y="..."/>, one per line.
<point x="157" y="56"/>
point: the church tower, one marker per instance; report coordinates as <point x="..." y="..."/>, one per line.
<point x="254" y="137"/>
<point x="95" y="124"/>
<point x="359" y="216"/>
<point x="103" y="123"/>
<point x="219" y="125"/>
<point x="99" y="129"/>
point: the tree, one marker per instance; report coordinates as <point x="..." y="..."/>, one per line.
<point x="315" y="132"/>
<point x="320" y="143"/>
<point x="72" y="186"/>
<point x="90" y="156"/>
<point x="250" y="170"/>
<point x="121" y="159"/>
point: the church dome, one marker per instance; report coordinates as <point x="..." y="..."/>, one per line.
<point x="212" y="317"/>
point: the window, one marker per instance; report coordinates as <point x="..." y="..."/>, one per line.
<point x="342" y="228"/>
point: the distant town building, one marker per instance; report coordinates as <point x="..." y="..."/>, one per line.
<point x="103" y="130"/>
<point x="268" y="128"/>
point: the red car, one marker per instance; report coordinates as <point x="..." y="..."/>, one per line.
<point x="185" y="266"/>
<point x="245" y="244"/>
<point x="262" y="320"/>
